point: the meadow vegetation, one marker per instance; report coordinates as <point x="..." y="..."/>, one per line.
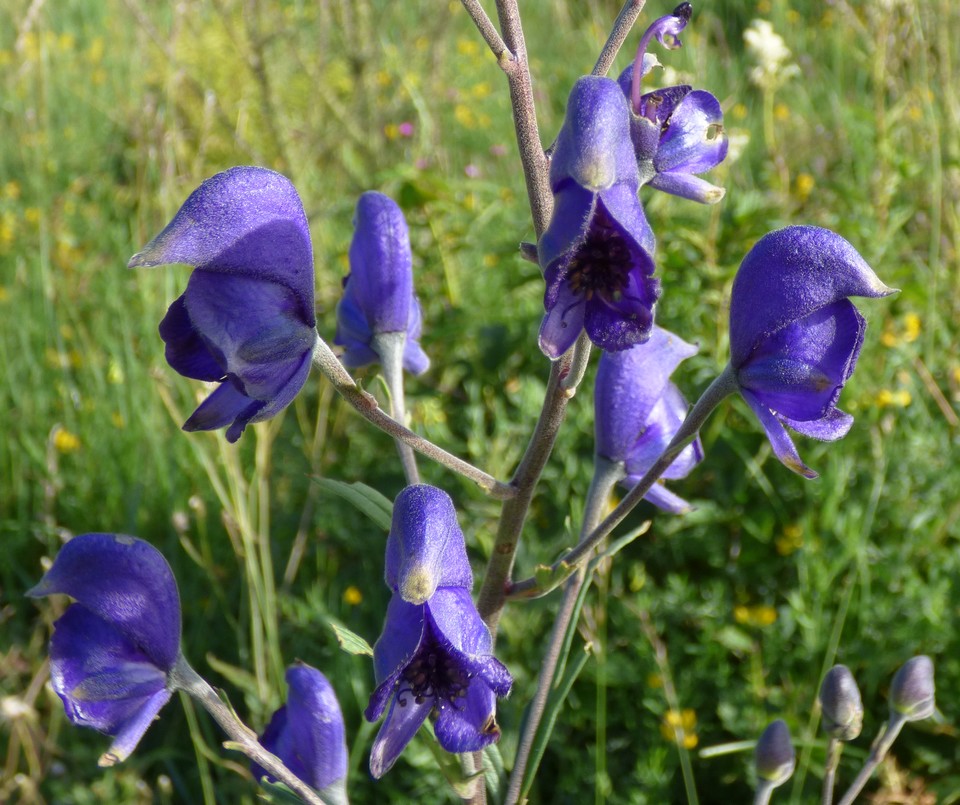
<point x="704" y="629"/>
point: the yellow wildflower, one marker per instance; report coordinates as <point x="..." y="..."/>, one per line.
<point x="352" y="596"/>
<point x="64" y="441"/>
<point x="680" y="726"/>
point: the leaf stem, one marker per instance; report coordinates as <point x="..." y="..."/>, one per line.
<point x="881" y="745"/>
<point x="390" y="346"/>
<point x="184" y="678"/>
<point x="723" y="385"/>
<point x="621" y="30"/>
<point x="368" y="407"/>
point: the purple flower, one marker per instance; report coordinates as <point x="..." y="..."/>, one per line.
<point x="596" y="251"/>
<point x="794" y="335"/>
<point x="433" y="658"/>
<point x="677" y="131"/>
<point x="912" y="689"/>
<point x="774" y="757"/>
<point x="307" y="734"/>
<point x="247" y="316"/>
<point x="378" y="293"/>
<point x="638" y="411"/>
<point x="113" y="650"/>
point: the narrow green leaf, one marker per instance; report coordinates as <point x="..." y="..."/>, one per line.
<point x="364" y="498"/>
<point x="349" y="641"/>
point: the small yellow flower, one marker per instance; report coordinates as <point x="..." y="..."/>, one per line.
<point x="64" y="441"/>
<point x="115" y="373"/>
<point x="739" y="111"/>
<point x="118" y="421"/>
<point x="11" y="190"/>
<point x="31" y="215"/>
<point x="791" y="540"/>
<point x="680" y="726"/>
<point x="911" y="327"/>
<point x="805" y="185"/>
<point x="654" y="681"/>
<point x="468" y="47"/>
<point x="900" y="398"/>
<point x="352" y="596"/>
<point x="95" y="51"/>
<point x="463" y="114"/>
<point x="759" y="616"/>
<point x="66" y="41"/>
<point x="781" y="112"/>
<point x="4" y="293"/>
<point x="391" y="131"/>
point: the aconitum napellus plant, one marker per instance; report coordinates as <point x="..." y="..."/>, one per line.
<point x="247" y="324"/>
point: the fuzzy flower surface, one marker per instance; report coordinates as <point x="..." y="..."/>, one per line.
<point x="638" y="410"/>
<point x="433" y="658"/>
<point x="246" y="319"/>
<point x="308" y="734"/>
<point x="596" y="251"/>
<point x="795" y="336"/>
<point x="378" y="293"/>
<point x="113" y="650"/>
<point x="677" y="131"/>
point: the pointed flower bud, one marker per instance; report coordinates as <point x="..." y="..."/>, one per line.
<point x="308" y="735"/>
<point x="638" y="411"/>
<point x="596" y="251"/>
<point x="794" y="335"/>
<point x="840" y="704"/>
<point x="912" y="689"/>
<point x="774" y="757"/>
<point x="247" y="317"/>
<point x="434" y="654"/>
<point x="378" y="293"/>
<point x="112" y="651"/>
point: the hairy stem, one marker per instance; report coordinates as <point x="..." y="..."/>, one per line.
<point x="878" y="752"/>
<point x="621" y="30"/>
<point x="390" y="346"/>
<point x="724" y="385"/>
<point x="606" y="474"/>
<point x="834" y="750"/>
<point x="183" y="677"/>
<point x="368" y="407"/>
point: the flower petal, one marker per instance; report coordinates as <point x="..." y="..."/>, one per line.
<point x="832" y="426"/>
<point x="397" y="730"/>
<point x="694" y="141"/>
<point x="245" y="221"/>
<point x="425" y="548"/>
<point x="661" y="426"/>
<point x="225" y="406"/>
<point x="799" y="370"/>
<point x="126" y="582"/>
<point x="307" y="734"/>
<point x="689" y="187"/>
<point x="381" y="264"/>
<point x="783" y="447"/>
<point x="103" y="678"/>
<point x="562" y="323"/>
<point x="402" y="634"/>
<point x="186" y="351"/>
<point x="629" y="384"/>
<point x="789" y="274"/>
<point x="471" y="724"/>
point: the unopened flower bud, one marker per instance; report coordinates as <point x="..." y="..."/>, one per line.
<point x="774" y="757"/>
<point x="841" y="704"/>
<point x="911" y="692"/>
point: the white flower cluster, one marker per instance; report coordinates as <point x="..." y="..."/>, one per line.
<point x="773" y="57"/>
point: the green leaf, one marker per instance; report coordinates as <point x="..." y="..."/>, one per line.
<point x="364" y="498"/>
<point x="349" y="641"/>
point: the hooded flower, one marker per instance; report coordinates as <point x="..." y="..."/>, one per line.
<point x="774" y="757"/>
<point x="677" y="131"/>
<point x="638" y="411"/>
<point x="113" y="650"/>
<point x="307" y="734"/>
<point x="378" y="293"/>
<point x="433" y="658"/>
<point x="246" y="318"/>
<point x="596" y="251"/>
<point x="794" y="335"/>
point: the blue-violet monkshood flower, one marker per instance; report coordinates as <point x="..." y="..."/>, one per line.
<point x="308" y="734"/>
<point x="247" y="316"/>
<point x="596" y="251"/>
<point x="433" y="658"/>
<point x="112" y="652"/>
<point x="677" y="131"/>
<point x="638" y="411"/>
<point x="794" y="335"/>
<point x="378" y="293"/>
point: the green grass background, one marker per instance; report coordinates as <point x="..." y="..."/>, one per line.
<point x="112" y="112"/>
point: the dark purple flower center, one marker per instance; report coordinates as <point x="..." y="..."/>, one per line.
<point x="603" y="262"/>
<point x="434" y="674"/>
